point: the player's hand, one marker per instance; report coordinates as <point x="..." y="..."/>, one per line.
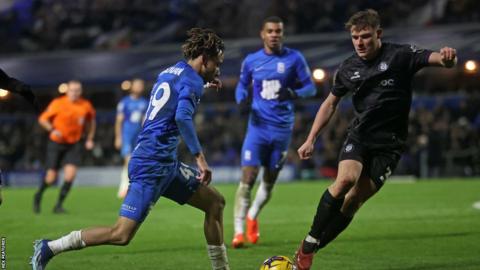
<point x="287" y="93"/>
<point x="89" y="144"/>
<point x="56" y="133"/>
<point x="215" y="84"/>
<point x="118" y="143"/>
<point x="306" y="150"/>
<point x="205" y="176"/>
<point x="448" y="56"/>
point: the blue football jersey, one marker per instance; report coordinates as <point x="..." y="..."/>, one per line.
<point x="268" y="74"/>
<point x="133" y="111"/>
<point x="176" y="85"/>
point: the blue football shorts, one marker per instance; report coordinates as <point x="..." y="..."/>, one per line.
<point x="150" y="179"/>
<point x="128" y="143"/>
<point x="265" y="146"/>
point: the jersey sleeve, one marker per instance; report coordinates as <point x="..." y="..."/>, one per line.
<point x="241" y="92"/>
<point x="121" y="107"/>
<point x="91" y="111"/>
<point x="339" y="89"/>
<point x="417" y="58"/>
<point x="187" y="101"/>
<point x="304" y="76"/>
<point x="51" y="111"/>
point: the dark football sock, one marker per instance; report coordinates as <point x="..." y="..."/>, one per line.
<point x="42" y="188"/>
<point x="63" y="193"/>
<point x="338" y="223"/>
<point x="326" y="209"/>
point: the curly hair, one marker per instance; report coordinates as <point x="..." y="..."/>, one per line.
<point x="202" y="41"/>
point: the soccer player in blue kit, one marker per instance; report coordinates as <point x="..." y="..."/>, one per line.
<point x="273" y="72"/>
<point x="154" y="169"/>
<point x="128" y="124"/>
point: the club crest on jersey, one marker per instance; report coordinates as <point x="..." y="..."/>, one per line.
<point x="349" y="148"/>
<point x="281" y="67"/>
<point x="415" y="49"/>
<point x="356" y="75"/>
<point x="383" y="66"/>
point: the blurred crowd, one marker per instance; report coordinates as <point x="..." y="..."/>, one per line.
<point x="444" y="138"/>
<point x="43" y="25"/>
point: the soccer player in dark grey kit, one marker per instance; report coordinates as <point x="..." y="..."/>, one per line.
<point x="15" y="86"/>
<point x="379" y="76"/>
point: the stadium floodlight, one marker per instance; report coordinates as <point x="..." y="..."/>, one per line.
<point x="319" y="74"/>
<point x="471" y="66"/>
<point x="62" y="88"/>
<point x="3" y="93"/>
<point x="126" y="85"/>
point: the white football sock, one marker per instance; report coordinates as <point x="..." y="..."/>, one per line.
<point x="242" y="202"/>
<point x="218" y="257"/>
<point x="124" y="181"/>
<point x="311" y="239"/>
<point x="264" y="193"/>
<point x="70" y="241"/>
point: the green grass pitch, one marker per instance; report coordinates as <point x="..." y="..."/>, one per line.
<point x="426" y="225"/>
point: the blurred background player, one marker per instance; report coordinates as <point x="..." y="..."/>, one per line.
<point x="128" y="124"/>
<point x="274" y="72"/>
<point x="13" y="85"/>
<point x="154" y="168"/>
<point x="66" y="119"/>
<point x="380" y="77"/>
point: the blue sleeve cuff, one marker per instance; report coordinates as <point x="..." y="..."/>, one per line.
<point x="306" y="91"/>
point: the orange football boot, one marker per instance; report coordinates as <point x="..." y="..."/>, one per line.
<point x="252" y="230"/>
<point x="238" y="240"/>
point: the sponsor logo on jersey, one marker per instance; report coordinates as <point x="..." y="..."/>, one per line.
<point x="356" y="75"/>
<point x="415" y="49"/>
<point x="387" y="82"/>
<point x="383" y="66"/>
<point x="349" y="148"/>
<point x="281" y="67"/>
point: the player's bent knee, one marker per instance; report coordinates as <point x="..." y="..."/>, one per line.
<point x="345" y="183"/>
<point x="219" y="203"/>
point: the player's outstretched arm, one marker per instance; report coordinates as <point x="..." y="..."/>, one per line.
<point x="19" y="87"/>
<point x="324" y="114"/>
<point x="446" y="57"/>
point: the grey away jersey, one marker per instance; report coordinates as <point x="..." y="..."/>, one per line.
<point x="381" y="92"/>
